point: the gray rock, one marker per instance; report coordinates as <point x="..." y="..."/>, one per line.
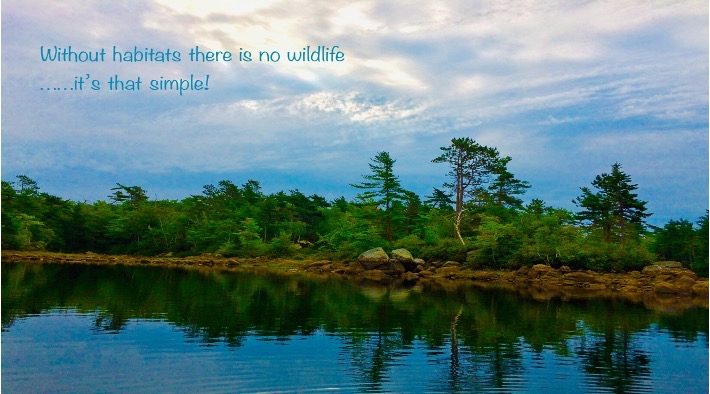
<point x="402" y="255"/>
<point x="374" y="255"/>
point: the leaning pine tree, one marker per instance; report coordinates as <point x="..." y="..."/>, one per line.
<point x="472" y="166"/>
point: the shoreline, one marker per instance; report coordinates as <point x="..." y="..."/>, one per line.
<point x="656" y="286"/>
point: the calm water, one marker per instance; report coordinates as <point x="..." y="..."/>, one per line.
<point x="75" y="328"/>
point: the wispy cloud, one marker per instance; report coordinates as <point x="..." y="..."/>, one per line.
<point x="547" y="82"/>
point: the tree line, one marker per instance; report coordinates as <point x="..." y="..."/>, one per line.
<point x="477" y="217"/>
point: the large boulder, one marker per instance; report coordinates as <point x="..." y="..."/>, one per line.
<point x="373" y="259"/>
<point x="374" y="255"/>
<point x="540" y="270"/>
<point x="402" y="255"/>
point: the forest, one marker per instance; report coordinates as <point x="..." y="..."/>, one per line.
<point x="477" y="217"/>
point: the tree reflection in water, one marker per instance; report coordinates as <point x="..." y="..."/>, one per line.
<point x="476" y="339"/>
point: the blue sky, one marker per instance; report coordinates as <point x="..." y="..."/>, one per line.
<point x="566" y="88"/>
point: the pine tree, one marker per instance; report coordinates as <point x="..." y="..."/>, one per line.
<point x="382" y="188"/>
<point x="504" y="189"/>
<point x="472" y="167"/>
<point x="439" y="199"/>
<point x="614" y="208"/>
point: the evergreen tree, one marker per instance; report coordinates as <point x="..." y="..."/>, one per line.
<point x="440" y="199"/>
<point x="472" y="167"/>
<point x="382" y="188"/>
<point x="675" y="241"/>
<point x="505" y="187"/>
<point x="614" y="209"/>
<point x="702" y="234"/>
<point x="134" y="195"/>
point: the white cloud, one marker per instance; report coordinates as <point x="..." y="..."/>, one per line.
<point x="528" y="77"/>
<point x="206" y="8"/>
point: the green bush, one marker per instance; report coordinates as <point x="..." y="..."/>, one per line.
<point x="445" y="249"/>
<point x="412" y="243"/>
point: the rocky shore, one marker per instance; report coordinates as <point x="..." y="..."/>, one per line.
<point x="664" y="284"/>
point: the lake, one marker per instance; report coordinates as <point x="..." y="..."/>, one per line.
<point x="112" y="328"/>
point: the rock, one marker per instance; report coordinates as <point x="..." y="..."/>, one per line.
<point x="667" y="288"/>
<point x="661" y="267"/>
<point x="374" y="255"/>
<point x="321" y="265"/>
<point x="465" y="274"/>
<point x="451" y="264"/>
<point x="651" y="270"/>
<point x="700" y="288"/>
<point x="507" y="276"/>
<point x="668" y="264"/>
<point x="685" y="284"/>
<point x="353" y="268"/>
<point x="390" y="266"/>
<point x="232" y="263"/>
<point x="402" y="255"/>
<point x="450" y="271"/>
<point x="484" y="275"/>
<point x="394" y="268"/>
<point x="419" y="262"/>
<point x="686" y="273"/>
<point x="565" y="269"/>
<point x="630" y="282"/>
<point x="373" y="259"/>
<point x="539" y="270"/>
<point x="629" y="289"/>
<point x="673" y="284"/>
<point x="425" y="273"/>
<point x="372" y="265"/>
<point x="583" y="277"/>
<point x="661" y="274"/>
<point x="409" y="276"/>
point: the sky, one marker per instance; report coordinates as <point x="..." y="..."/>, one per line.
<point x="565" y="88"/>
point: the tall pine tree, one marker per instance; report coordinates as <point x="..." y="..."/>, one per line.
<point x="382" y="187"/>
<point x="614" y="208"/>
<point x="472" y="167"/>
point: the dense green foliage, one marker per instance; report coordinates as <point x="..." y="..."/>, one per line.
<point x="482" y="221"/>
<point x="614" y="210"/>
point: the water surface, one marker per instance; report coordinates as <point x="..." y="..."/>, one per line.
<point x="82" y="328"/>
